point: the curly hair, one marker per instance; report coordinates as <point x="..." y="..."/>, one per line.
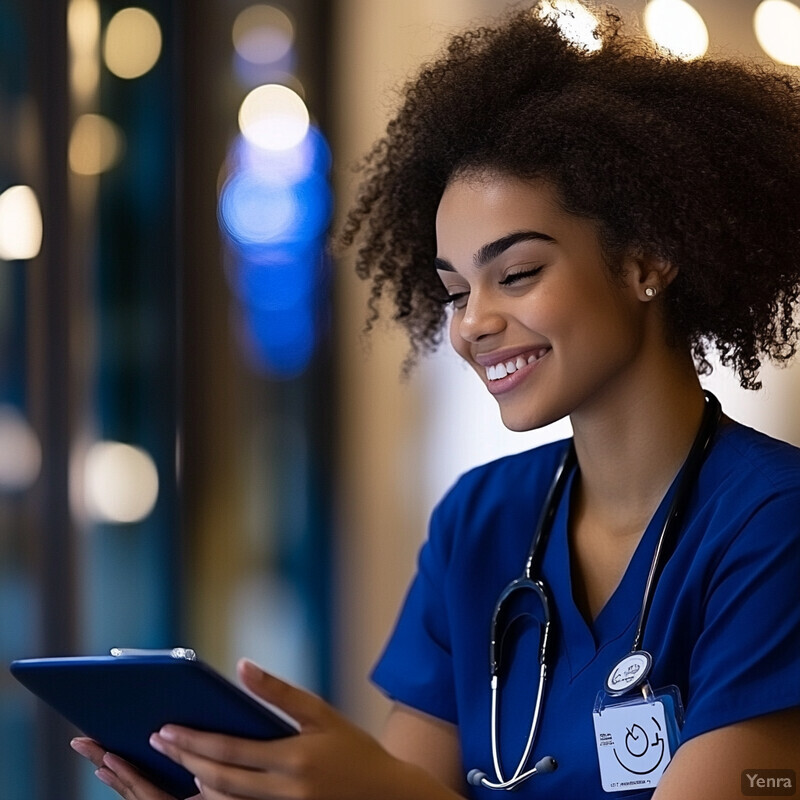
<point x="696" y="162"/>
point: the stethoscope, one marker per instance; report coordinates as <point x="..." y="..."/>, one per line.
<point x="502" y="619"/>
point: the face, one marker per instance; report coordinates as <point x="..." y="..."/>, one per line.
<point x="535" y="311"/>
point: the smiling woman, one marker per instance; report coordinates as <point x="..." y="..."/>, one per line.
<point x="588" y="222"/>
<point x="619" y="612"/>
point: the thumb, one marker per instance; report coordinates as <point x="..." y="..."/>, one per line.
<point x="305" y="707"/>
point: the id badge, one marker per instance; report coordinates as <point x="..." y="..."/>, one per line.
<point x="636" y="736"/>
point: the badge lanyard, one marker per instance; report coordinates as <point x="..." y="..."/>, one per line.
<point x="630" y="731"/>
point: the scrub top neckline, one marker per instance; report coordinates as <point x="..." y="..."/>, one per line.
<point x="582" y="640"/>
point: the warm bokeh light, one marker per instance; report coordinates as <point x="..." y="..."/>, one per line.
<point x="677" y="27"/>
<point x="83" y="31"/>
<point x="273" y="117"/>
<point x="95" y="145"/>
<point x="132" y="43"/>
<point x="263" y="34"/>
<point x="20" y="224"/>
<point x="120" y="482"/>
<point x="575" y="22"/>
<point x="777" y="28"/>
<point x="20" y="451"/>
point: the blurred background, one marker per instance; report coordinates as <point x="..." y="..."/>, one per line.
<point x="198" y="446"/>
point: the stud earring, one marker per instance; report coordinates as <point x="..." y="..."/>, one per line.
<point x="651" y="291"/>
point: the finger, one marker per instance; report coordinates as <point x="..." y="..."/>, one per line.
<point x="308" y="709"/>
<point x="217" y="779"/>
<point x="173" y="741"/>
<point x="89" y="749"/>
<point x="127" y="780"/>
<point x="254" y="754"/>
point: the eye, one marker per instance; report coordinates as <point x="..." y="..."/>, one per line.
<point x="456" y="300"/>
<point x="514" y="277"/>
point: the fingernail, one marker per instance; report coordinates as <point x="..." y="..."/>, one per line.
<point x="251" y="668"/>
<point x="155" y="743"/>
<point x="102" y="775"/>
<point x="167" y="733"/>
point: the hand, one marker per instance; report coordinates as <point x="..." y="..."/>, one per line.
<point x="330" y="759"/>
<point x="118" y="773"/>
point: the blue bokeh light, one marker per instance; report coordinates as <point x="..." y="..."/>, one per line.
<point x="274" y="209"/>
<point x="281" y="341"/>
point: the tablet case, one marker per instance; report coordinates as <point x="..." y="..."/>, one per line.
<point x="121" y="700"/>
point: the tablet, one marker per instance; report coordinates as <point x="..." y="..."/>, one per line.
<point x="121" y="699"/>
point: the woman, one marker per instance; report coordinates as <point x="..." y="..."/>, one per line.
<point x="589" y="225"/>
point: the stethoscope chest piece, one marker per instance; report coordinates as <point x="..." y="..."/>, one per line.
<point x="629" y="672"/>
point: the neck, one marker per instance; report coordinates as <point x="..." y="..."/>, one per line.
<point x="630" y="449"/>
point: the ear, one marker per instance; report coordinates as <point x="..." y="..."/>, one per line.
<point x="649" y="275"/>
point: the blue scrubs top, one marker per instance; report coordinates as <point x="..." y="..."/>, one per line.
<point x="724" y="626"/>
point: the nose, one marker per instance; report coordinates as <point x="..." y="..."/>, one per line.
<point x="480" y="318"/>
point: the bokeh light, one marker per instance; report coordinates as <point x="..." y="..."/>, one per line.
<point x="255" y="212"/>
<point x="282" y="167"/>
<point x="120" y="483"/>
<point x="274" y="208"/>
<point x="83" y="31"/>
<point x="20" y="451"/>
<point x="677" y="27"/>
<point x="777" y="28"/>
<point x="20" y="224"/>
<point x="274" y="117"/>
<point x="132" y="43"/>
<point x="275" y="202"/>
<point x="95" y="145"/>
<point x="274" y="284"/>
<point x="281" y="341"/>
<point x="576" y="23"/>
<point x="263" y="34"/>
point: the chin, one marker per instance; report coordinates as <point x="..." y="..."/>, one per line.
<point x="520" y="423"/>
<point x="522" y="420"/>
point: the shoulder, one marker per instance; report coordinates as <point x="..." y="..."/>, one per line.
<point x="744" y="455"/>
<point x="750" y="475"/>
<point x="514" y="473"/>
<point x="748" y="495"/>
<point x="747" y="470"/>
<point x="502" y="495"/>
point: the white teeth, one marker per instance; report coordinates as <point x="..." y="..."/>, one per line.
<point x="497" y="371"/>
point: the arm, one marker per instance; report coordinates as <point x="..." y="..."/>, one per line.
<point x="710" y="766"/>
<point x="426" y="741"/>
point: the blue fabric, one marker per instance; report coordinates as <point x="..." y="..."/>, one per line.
<point x="724" y="625"/>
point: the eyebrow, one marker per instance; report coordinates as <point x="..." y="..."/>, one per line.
<point x="492" y="250"/>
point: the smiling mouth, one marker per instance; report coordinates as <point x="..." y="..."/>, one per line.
<point x="505" y="368"/>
